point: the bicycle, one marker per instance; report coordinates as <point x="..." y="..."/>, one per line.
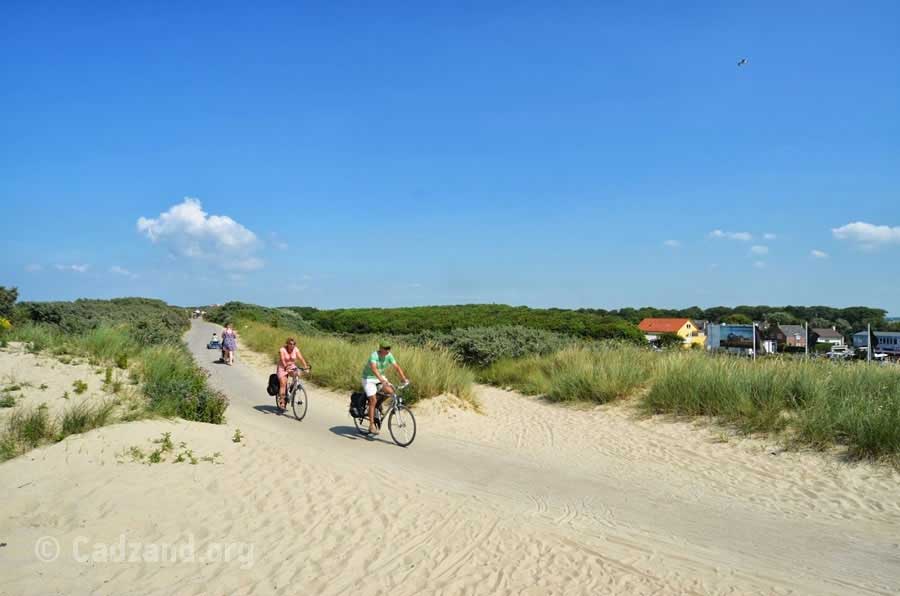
<point x="294" y="389"/>
<point x="400" y="420"/>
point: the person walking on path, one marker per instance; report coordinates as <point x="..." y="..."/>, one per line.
<point x="229" y="343"/>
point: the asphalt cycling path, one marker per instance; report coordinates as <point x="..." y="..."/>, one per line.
<point x="581" y="507"/>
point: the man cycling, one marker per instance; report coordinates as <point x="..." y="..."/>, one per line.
<point x="373" y="375"/>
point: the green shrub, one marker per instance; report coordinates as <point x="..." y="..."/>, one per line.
<point x="425" y="319"/>
<point x="175" y="386"/>
<point x="482" y="346"/>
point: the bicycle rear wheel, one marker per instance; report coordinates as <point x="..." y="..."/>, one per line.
<point x="299" y="402"/>
<point x="402" y="425"/>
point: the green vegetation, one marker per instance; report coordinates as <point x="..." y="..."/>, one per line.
<point x="82" y="417"/>
<point x="143" y="333"/>
<point x="447" y="318"/>
<point x="337" y="363"/>
<point x="814" y="403"/>
<point x="237" y="437"/>
<point x="164" y="446"/>
<point x="593" y="374"/>
<point x="280" y="318"/>
<point x="175" y="386"/>
<point x="482" y="346"/>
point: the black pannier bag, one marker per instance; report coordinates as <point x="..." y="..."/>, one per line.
<point x="274" y="385"/>
<point x="359" y="405"/>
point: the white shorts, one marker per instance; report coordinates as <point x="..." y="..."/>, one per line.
<point x="370" y="386"/>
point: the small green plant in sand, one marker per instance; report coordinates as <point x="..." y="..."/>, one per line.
<point x="237" y="437"/>
<point x="79" y="386"/>
<point x="7" y="400"/>
<point x="44" y="387"/>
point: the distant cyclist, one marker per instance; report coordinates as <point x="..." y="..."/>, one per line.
<point x="373" y="374"/>
<point x="288" y="355"/>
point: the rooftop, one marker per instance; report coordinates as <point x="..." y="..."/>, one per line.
<point x="662" y="325"/>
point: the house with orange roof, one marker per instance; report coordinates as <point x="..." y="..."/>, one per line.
<point x="686" y="329"/>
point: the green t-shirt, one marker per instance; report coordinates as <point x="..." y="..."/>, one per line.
<point x="380" y="363"/>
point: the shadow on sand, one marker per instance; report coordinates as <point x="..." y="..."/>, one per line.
<point x="267" y="409"/>
<point x="350" y="432"/>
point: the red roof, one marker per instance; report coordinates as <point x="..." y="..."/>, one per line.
<point x="662" y="325"/>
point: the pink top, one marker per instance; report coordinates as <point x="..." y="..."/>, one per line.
<point x="286" y="359"/>
<point x="228" y="333"/>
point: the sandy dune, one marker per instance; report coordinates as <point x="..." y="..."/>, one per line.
<point x="524" y="498"/>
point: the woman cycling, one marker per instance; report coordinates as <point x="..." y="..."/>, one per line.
<point x="288" y="355"/>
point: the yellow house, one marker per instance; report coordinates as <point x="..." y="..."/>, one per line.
<point x="683" y="328"/>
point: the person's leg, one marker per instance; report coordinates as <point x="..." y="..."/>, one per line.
<point x="282" y="389"/>
<point x="371" y="389"/>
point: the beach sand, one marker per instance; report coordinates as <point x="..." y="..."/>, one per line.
<point x="523" y="497"/>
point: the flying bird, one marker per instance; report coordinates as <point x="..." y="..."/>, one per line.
<point x="742" y="61"/>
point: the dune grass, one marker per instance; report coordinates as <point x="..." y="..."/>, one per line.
<point x="815" y="403"/>
<point x="597" y="374"/>
<point x="338" y="363"/>
<point x="171" y="384"/>
<point x="28" y="428"/>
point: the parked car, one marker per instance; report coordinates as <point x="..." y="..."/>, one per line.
<point x="840" y="353"/>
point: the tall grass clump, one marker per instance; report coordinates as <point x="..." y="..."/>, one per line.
<point x="597" y="374"/>
<point x="755" y="396"/>
<point x="107" y="343"/>
<point x="175" y="386"/>
<point x="83" y="417"/>
<point x="25" y="429"/>
<point x="860" y="407"/>
<point x="338" y="363"/>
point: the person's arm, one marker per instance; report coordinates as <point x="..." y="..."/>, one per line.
<point x="402" y="374"/>
<point x="283" y="358"/>
<point x="302" y="359"/>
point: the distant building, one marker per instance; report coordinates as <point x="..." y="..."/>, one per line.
<point x="829" y="336"/>
<point x="686" y="329"/>
<point x="887" y="341"/>
<point x="792" y="336"/>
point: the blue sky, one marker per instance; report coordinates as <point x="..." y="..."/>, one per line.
<point x="550" y="154"/>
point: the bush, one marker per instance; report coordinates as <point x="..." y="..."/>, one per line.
<point x="426" y="319"/>
<point x="482" y="346"/>
<point x="175" y="386"/>
<point x="279" y="318"/>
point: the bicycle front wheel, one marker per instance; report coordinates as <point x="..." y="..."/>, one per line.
<point x="402" y="425"/>
<point x="299" y="402"/>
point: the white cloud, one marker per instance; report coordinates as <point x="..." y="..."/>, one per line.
<point x="759" y="264"/>
<point x="759" y="249"/>
<point x="769" y="236"/>
<point x="672" y="244"/>
<point x="741" y="236"/>
<point x="187" y="230"/>
<point x="868" y="235"/>
<point x="33" y="267"/>
<point x="819" y="254"/>
<point x="122" y="271"/>
<point x="75" y="268"/>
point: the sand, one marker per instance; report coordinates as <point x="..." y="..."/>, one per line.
<point x="522" y="498"/>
